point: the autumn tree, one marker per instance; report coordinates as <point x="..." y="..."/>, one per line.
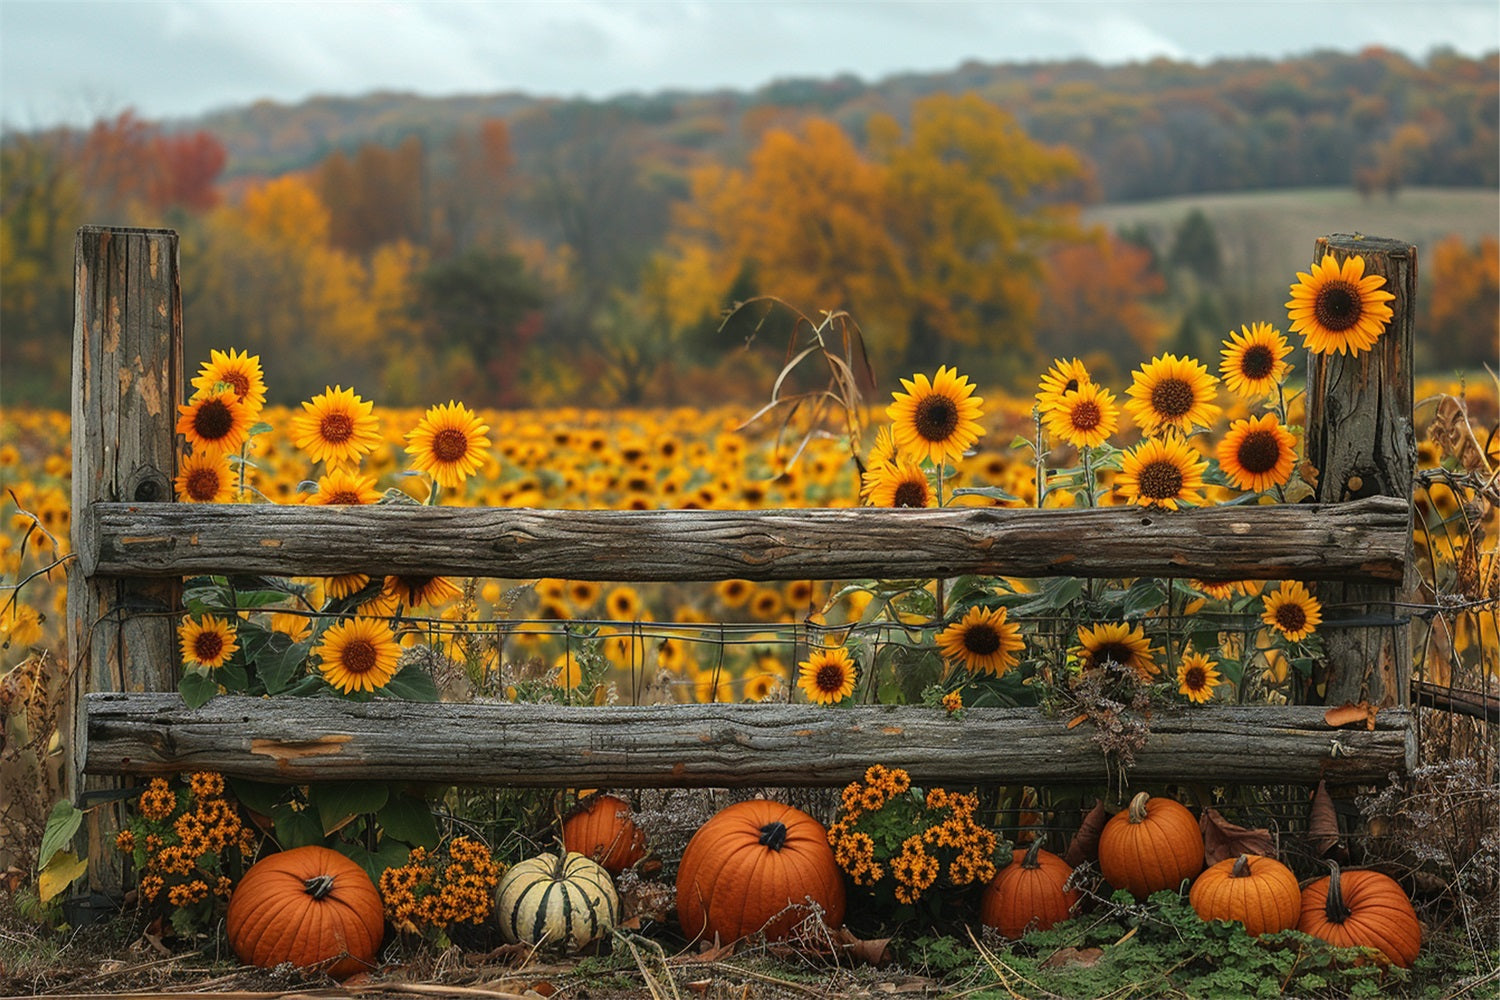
<point x="467" y="188"/>
<point x="1098" y="293"/>
<point x="375" y="196"/>
<point x="1463" y="306"/>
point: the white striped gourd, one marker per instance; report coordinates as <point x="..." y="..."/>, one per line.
<point x="552" y="900"/>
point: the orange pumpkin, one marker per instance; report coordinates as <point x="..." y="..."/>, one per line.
<point x="1362" y="909"/>
<point x="753" y="868"/>
<point x="603" y="830"/>
<point x="1260" y="893"/>
<point x="1150" y="845"/>
<point x="309" y="906"/>
<point x="1028" y="892"/>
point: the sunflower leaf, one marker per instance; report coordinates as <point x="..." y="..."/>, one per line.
<point x="412" y="683"/>
<point x="278" y="662"/>
<point x="339" y="802"/>
<point x="62" y="824"/>
<point x="197" y="688"/>
<point x="408" y="819"/>
<point x="990" y="492"/>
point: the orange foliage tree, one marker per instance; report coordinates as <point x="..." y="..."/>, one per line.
<point x="1463" y="309"/>
<point x="1098" y="295"/>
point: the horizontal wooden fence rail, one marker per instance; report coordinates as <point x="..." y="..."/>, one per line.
<point x="297" y="740"/>
<point x="1361" y="540"/>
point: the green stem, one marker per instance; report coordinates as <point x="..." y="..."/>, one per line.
<point x="1041" y="461"/>
<point x="432" y="494"/>
<point x="1088" y="474"/>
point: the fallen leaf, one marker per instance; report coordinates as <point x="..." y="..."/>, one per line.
<point x="1323" y="824"/>
<point x="1350" y="713"/>
<point x="1078" y="720"/>
<point x="1085" y="957"/>
<point x="871" y="951"/>
<point x="1222" y="839"/>
<point x="1085" y="843"/>
<point x="59" y="872"/>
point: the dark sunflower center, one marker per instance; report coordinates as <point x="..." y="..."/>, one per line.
<point x="203" y="484"/>
<point x="1086" y="415"/>
<point x="336" y="428"/>
<point x="238" y="381"/>
<point x="829" y="678"/>
<point x="1116" y="652"/>
<point x="412" y="587"/>
<point x="342" y="496"/>
<point x="359" y="656"/>
<point x="1258" y="362"/>
<point x="981" y="639"/>
<point x="1337" y="306"/>
<point x="213" y="421"/>
<point x="1172" y="397"/>
<point x="910" y="494"/>
<point x="1195" y="679"/>
<point x="937" y="418"/>
<point x="1291" y="617"/>
<point x="208" y="646"/>
<point x="1259" y="452"/>
<point x="1161" y="480"/>
<point x="450" y="444"/>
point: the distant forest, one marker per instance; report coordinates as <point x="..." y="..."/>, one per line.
<point x="517" y="250"/>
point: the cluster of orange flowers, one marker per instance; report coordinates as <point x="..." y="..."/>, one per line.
<point x="430" y="892"/>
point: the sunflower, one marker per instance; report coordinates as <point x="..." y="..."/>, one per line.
<point x="214" y="421"/>
<point x="759" y="687"/>
<point x="569" y="671"/>
<point x="449" y="444"/>
<point x="1254" y="364"/>
<point x="1119" y="644"/>
<point x="336" y="427"/>
<point x="983" y="641"/>
<point x="341" y="486"/>
<point x="1339" y="308"/>
<point x="734" y="593"/>
<point x="204" y="477"/>
<point x="623" y="604"/>
<point x="241" y="372"/>
<point x="358" y="655"/>
<point x="1257" y="453"/>
<point x="340" y="587"/>
<point x="1162" y="472"/>
<point x="583" y="592"/>
<point x="1293" y="611"/>
<point x="294" y="627"/>
<point x="898" y="485"/>
<point x="827" y="676"/>
<point x="1172" y="393"/>
<point x="936" y="420"/>
<point x="1196" y="676"/>
<point x="766" y="604"/>
<point x="416" y="591"/>
<point x="209" y="643"/>
<point x="1062" y="378"/>
<point x="1085" y="417"/>
<point x="884" y="450"/>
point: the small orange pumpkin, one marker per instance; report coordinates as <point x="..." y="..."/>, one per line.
<point x="1259" y="892"/>
<point x="753" y="868"/>
<point x="309" y="906"/>
<point x="1150" y="845"/>
<point x="1364" y="909"/>
<point x="603" y="830"/>
<point x="1028" y="892"/>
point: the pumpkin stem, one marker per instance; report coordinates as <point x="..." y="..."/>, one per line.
<point x="1334" y="906"/>
<point x="562" y="860"/>
<point x="1030" y="862"/>
<point x="1241" y="867"/>
<point x="1138" y="807"/>
<point x="773" y="835"/>
<point x="318" y="886"/>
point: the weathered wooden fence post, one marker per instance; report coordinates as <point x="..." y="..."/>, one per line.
<point x="1360" y="439"/>
<point x="127" y="382"/>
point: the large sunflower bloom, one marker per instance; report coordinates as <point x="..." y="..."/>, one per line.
<point x="336" y="427"/>
<point x="204" y="477"/>
<point x="341" y="486"/>
<point x="1062" y="378"/>
<point x="1197" y="678"/>
<point x="1257" y="453"/>
<point x="214" y="421"/>
<point x="1162" y="472"/>
<point x="209" y="643"/>
<point x="1172" y="393"/>
<point x="358" y="655"/>
<point x="448" y="444"/>
<point x="1117" y="643"/>
<point x="1085" y="417"/>
<point x="936" y="420"/>
<point x="902" y="484"/>
<point x="416" y="591"/>
<point x="1254" y="361"/>
<point x="241" y="372"/>
<point x="827" y="676"/>
<point x="983" y="641"/>
<point x="1339" y="308"/>
<point x="1292" y="611"/>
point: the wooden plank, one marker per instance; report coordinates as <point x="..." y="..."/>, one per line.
<point x="295" y="740"/>
<point x="1364" y="540"/>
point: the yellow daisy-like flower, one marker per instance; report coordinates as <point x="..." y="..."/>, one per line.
<point x="1257" y="453"/>
<point x="342" y="486"/>
<point x="238" y="370"/>
<point x="416" y="591"/>
<point x="1339" y="308"/>
<point x="902" y="484"/>
<point x="1162" y="472"/>
<point x="734" y="593"/>
<point x="208" y="644"/>
<point x="214" y="421"/>
<point x="336" y="427"/>
<point x="937" y="419"/>
<point x="339" y="587"/>
<point x="1196" y="676"/>
<point x="295" y="627"/>
<point x="884" y="450"/>
<point x="827" y="676"/>
<point x="1172" y="393"/>
<point x="1085" y="417"/>
<point x="1254" y="361"/>
<point x="359" y="654"/>
<point x="1062" y="378"/>
<point x="953" y="702"/>
<point x="623" y="604"/>
<point x="449" y="444"/>
<point x="1293" y="611"/>
<point x="759" y="687"/>
<point x="1117" y="643"/>
<point x="204" y="477"/>
<point x="983" y="641"/>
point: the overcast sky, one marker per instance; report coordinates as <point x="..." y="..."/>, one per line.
<point x="69" y="60"/>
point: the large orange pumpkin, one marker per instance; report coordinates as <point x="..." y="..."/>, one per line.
<point x="1364" y="909"/>
<point x="753" y="868"/>
<point x="1028" y="892"/>
<point x="309" y="906"/>
<point x="1260" y="893"/>
<point x="603" y="830"/>
<point x="1150" y="845"/>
